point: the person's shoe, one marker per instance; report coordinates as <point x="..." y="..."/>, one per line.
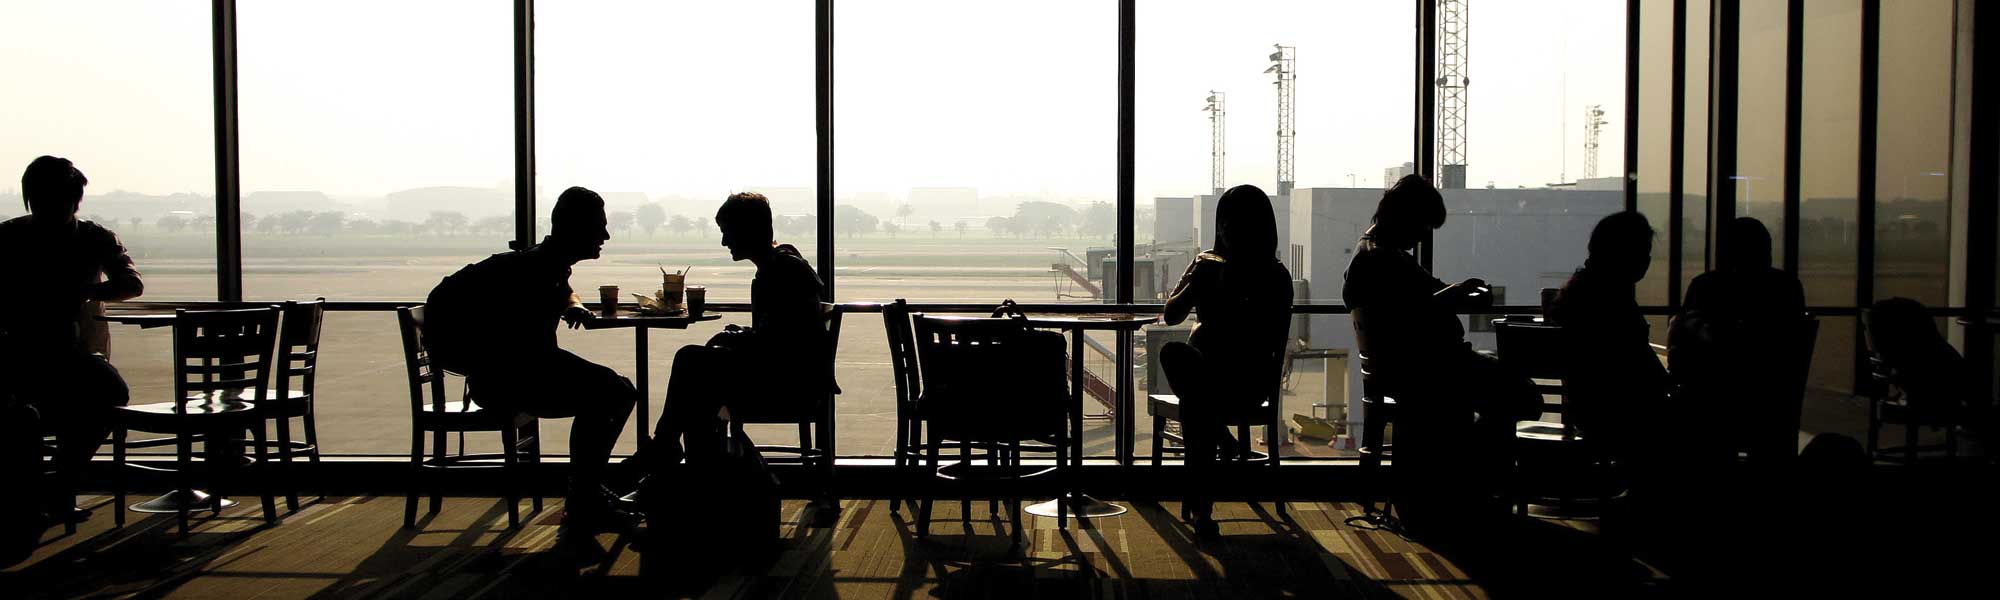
<point x="1206" y="529"/>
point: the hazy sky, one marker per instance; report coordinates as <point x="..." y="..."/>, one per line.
<point x="365" y="97"/>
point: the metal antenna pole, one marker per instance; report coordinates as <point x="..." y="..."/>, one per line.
<point x="1453" y="70"/>
<point x="1282" y="64"/>
<point x="1218" y="114"/>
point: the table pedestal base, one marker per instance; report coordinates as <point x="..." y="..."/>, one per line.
<point x="171" y="503"/>
<point x="1079" y="506"/>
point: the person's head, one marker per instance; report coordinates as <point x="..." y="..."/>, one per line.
<point x="1244" y="226"/>
<point x="577" y="224"/>
<point x="1621" y="247"/>
<point x="1746" y="245"/>
<point x="1899" y="326"/>
<point x="745" y="220"/>
<point x="52" y="188"/>
<point x="1408" y="210"/>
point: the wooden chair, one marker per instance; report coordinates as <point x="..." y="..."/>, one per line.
<point x="432" y="416"/>
<point x="1378" y="411"/>
<point x="292" y="394"/>
<point x="909" y="387"/>
<point x="1889" y="405"/>
<point x="991" y="383"/>
<point x="1167" y="407"/>
<point x="815" y="449"/>
<point x="220" y="357"/>
<point x="1559" y="449"/>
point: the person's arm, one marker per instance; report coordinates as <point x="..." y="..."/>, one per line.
<point x="1182" y="301"/>
<point x="121" y="278"/>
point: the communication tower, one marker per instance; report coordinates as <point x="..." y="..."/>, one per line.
<point x="1217" y="110"/>
<point x="1282" y="64"/>
<point x="1453" y="38"/>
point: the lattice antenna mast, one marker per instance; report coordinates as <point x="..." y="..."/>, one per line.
<point x="1218" y="116"/>
<point x="1593" y="124"/>
<point x="1282" y="64"/>
<point x="1454" y="42"/>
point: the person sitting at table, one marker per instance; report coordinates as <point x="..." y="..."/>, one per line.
<point x="781" y="357"/>
<point x="1733" y="317"/>
<point x="1232" y="360"/>
<point x="1615" y="388"/>
<point x="60" y="270"/>
<point x="1936" y="381"/>
<point x="495" y="322"/>
<point x="1457" y="406"/>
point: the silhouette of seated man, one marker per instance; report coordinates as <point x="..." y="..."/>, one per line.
<point x="1456" y="405"/>
<point x="1614" y="382"/>
<point x="1736" y="321"/>
<point x="59" y="270"/>
<point x="495" y="322"/>
<point x="1231" y="363"/>
<point x="780" y="358"/>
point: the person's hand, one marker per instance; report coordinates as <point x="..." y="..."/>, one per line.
<point x="576" y="316"/>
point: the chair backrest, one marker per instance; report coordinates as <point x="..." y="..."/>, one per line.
<point x="831" y="312"/>
<point x="223" y="352"/>
<point x="425" y="378"/>
<point x="298" y="346"/>
<point x="902" y="353"/>
<point x="1538" y="351"/>
<point x="990" y="376"/>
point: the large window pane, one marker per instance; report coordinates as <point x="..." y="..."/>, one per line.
<point x="1829" y="238"/>
<point x="1759" y="176"/>
<point x="1544" y="151"/>
<point x="1912" y="186"/>
<point x="1656" y="22"/>
<point x="122" y="89"/>
<point x="666" y="108"/>
<point x="376" y="151"/>
<point x="1694" y="174"/>
<point x="996" y="121"/>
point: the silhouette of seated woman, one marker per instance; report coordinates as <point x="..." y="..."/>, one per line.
<point x="1736" y="321"/>
<point x="1936" y="382"/>
<point x="781" y="357"/>
<point x="59" y="269"/>
<point x="1242" y="297"/>
<point x="1614" y="381"/>
<point x="1457" y="406"/>
<point x="495" y="322"/>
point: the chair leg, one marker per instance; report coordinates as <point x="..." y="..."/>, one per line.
<point x="1874" y="429"/>
<point x="1910" y="443"/>
<point x="183" y="474"/>
<point x="263" y="487"/>
<point x="1159" y="439"/>
<point x="442" y="447"/>
<point x="510" y="450"/>
<point x="534" y="448"/>
<point x="416" y="476"/>
<point x="930" y="493"/>
<point x="964" y="462"/>
<point x="902" y="457"/>
<point x="1273" y="438"/>
<point x="995" y="459"/>
<point x="284" y="426"/>
<point x="118" y="478"/>
<point x="1014" y="503"/>
<point x="312" y="439"/>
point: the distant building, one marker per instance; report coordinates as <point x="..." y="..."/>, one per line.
<point x="1519" y="241"/>
<point x="1391" y="174"/>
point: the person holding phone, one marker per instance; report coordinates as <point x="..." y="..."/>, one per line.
<point x="1457" y="406"/>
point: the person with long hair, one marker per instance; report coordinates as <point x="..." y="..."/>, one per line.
<point x="1231" y="363"/>
<point x="1456" y="406"/>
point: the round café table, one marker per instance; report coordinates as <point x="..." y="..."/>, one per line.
<point x="1079" y="504"/>
<point x="640" y="323"/>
